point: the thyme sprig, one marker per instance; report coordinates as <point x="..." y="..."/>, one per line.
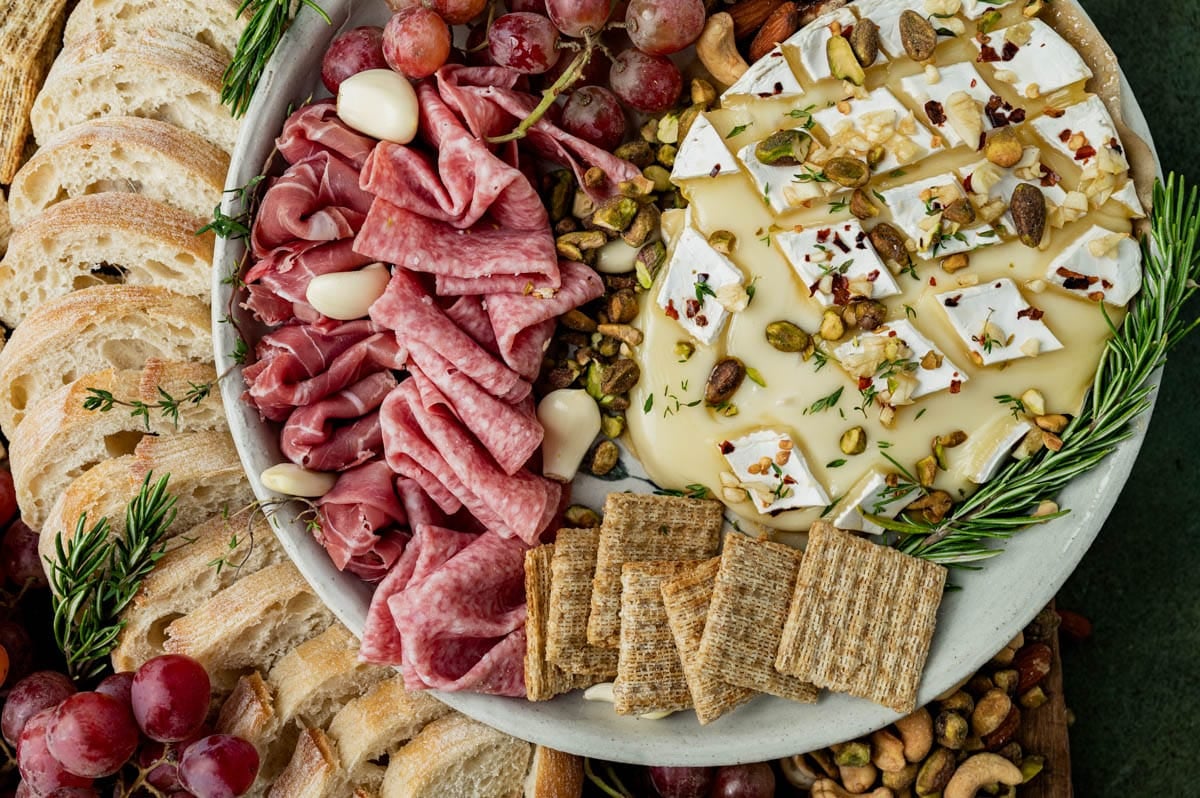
<point x="94" y="576"/>
<point x="167" y="405"/>
<point x="269" y="20"/>
<point x="1157" y="321"/>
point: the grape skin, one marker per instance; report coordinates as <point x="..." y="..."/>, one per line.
<point x="36" y="764"/>
<point x="681" y="782"/>
<point x="118" y="685"/>
<point x="352" y="52"/>
<point x="92" y="734"/>
<point x="19" y="556"/>
<point x="458" y="12"/>
<point x="416" y="42"/>
<point x="662" y="27"/>
<point x="170" y="696"/>
<point x="755" y="780"/>
<point x="647" y="82"/>
<point x="36" y="692"/>
<point x="219" y="766"/>
<point x="594" y="114"/>
<point x="574" y="17"/>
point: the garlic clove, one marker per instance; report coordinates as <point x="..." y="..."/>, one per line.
<point x="571" y="422"/>
<point x="293" y="480"/>
<point x="616" y="257"/>
<point x="602" y="692"/>
<point x="347" y="295"/>
<point x="380" y="103"/>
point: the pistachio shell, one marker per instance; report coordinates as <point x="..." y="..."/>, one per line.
<point x="1028" y="208"/>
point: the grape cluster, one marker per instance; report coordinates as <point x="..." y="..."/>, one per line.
<point x="150" y="722"/>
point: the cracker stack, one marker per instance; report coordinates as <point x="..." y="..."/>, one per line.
<point x="543" y="678"/>
<point x="572" y="570"/>
<point x="649" y="671"/>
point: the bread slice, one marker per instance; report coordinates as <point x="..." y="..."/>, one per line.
<point x="206" y="478"/>
<point x="250" y="624"/>
<point x="108" y="326"/>
<point x="553" y="774"/>
<point x="60" y="438"/>
<point x="205" y="560"/>
<point x="157" y="74"/>
<point x="313" y="771"/>
<point x="30" y="32"/>
<point x="123" y="154"/>
<point x="456" y="757"/>
<point x="249" y="712"/>
<point x="211" y="22"/>
<point x="98" y="239"/>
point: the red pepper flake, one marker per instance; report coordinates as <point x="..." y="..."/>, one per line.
<point x="1001" y="114"/>
<point x="952" y="301"/>
<point x="692" y="308"/>
<point x="872" y="275"/>
<point x="812" y="289"/>
<point x="840" y="244"/>
<point x="933" y="281"/>
<point x="823" y="235"/>
<point x="955" y="386"/>
<point x="701" y="320"/>
<point x="1085" y="152"/>
<point x="864" y="383"/>
<point x="841" y="290"/>
<point x="1065" y="135"/>
<point x="671" y="312"/>
<point x="1050" y="177"/>
<point x="1107" y="284"/>
<point x="1074" y="281"/>
<point x="974" y="82"/>
<point x="936" y="112"/>
<point x="726" y="447"/>
<point x="968" y="183"/>
<point x="716" y="170"/>
<point x="1096" y="296"/>
<point x="847" y="31"/>
<point x="1031" y="313"/>
<point x="988" y="54"/>
<point x="1116" y="145"/>
<point x="1017" y="116"/>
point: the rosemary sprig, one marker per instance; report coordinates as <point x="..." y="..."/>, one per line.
<point x="1121" y="391"/>
<point x="269" y="20"/>
<point x="94" y="577"/>
<point x="167" y="405"/>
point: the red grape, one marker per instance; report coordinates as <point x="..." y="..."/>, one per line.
<point x="594" y="114"/>
<point x="681" y="782"/>
<point x="92" y="734"/>
<point x="416" y="42"/>
<point x="8" y="496"/>
<point x="19" y="556"/>
<point x="573" y="17"/>
<point x="73" y="792"/>
<point x="649" y="83"/>
<point x="37" y="691"/>
<point x="170" y="697"/>
<point x="524" y="41"/>
<point x="352" y="52"/>
<point x="165" y="776"/>
<point x="534" y="6"/>
<point x="3" y="664"/>
<point x="457" y="12"/>
<point x="37" y="765"/>
<point x="118" y="685"/>
<point x="219" y="766"/>
<point x="16" y="642"/>
<point x="662" y="27"/>
<point x="756" y="780"/>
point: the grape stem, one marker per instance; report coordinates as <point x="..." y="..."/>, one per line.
<point x="550" y="95"/>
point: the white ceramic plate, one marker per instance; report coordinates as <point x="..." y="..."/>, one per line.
<point x="974" y="622"/>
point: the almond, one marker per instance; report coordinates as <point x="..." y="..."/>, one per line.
<point x="1032" y="663"/>
<point x="749" y="15"/>
<point x="783" y="22"/>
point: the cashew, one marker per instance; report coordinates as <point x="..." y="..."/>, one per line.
<point x="798" y="772"/>
<point x="916" y="730"/>
<point x="831" y="789"/>
<point x="718" y="52"/>
<point x="888" y="751"/>
<point x="858" y="779"/>
<point x="979" y="770"/>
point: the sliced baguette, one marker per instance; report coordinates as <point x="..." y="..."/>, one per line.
<point x="313" y="771"/>
<point x="250" y="624"/>
<point x="211" y="22"/>
<point x="157" y="74"/>
<point x="221" y="550"/>
<point x="122" y="154"/>
<point x="456" y="757"/>
<point x="109" y="326"/>
<point x="249" y="712"/>
<point x="102" y="238"/>
<point x="554" y="774"/>
<point x="59" y="439"/>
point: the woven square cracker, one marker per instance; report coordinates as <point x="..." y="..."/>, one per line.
<point x="649" y="673"/>
<point x="543" y="679"/>
<point x="686" y="599"/>
<point x="750" y="600"/>
<point x="862" y="618"/>
<point x="639" y="527"/>
<point x="26" y="26"/>
<point x="572" y="569"/>
<point x="21" y="75"/>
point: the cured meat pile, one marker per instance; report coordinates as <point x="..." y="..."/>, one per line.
<point x="425" y="408"/>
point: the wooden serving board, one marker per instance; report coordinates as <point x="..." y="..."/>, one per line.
<point x="1044" y="731"/>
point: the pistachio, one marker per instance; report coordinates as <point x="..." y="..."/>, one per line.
<point x="560" y="377"/>
<point x="1054" y="422"/>
<point x="854" y="754"/>
<point x="927" y="468"/>
<point x="889" y="243"/>
<point x="684" y="351"/>
<point x="565" y="225"/>
<point x="950" y="729"/>
<point x="786" y="337"/>
<point x="724" y="380"/>
<point x="933" y="506"/>
<point x="1028" y="209"/>
<point x="638" y="153"/>
<point x="666" y="155"/>
<point x="843" y="62"/>
<point x="622" y="306"/>
<point x="578" y="320"/>
<point x="649" y="131"/>
<point x="603" y="458"/>
<point x="832" y="326"/>
<point x="960" y="212"/>
<point x="1033" y="8"/>
<point x="592" y="383"/>
<point x="583" y="241"/>
<point x="616" y="214"/>
<point x="723" y="241"/>
<point x="931" y="360"/>
<point x="936" y="772"/>
<point x="848" y="172"/>
<point x="853" y="441"/>
<point x="1006" y="680"/>
<point x="953" y="439"/>
<point x="990" y="21"/>
<point x="650" y="259"/>
<point x="784" y="148"/>
<point x="668" y="128"/>
<point x="900" y="780"/>
<point x="659" y="176"/>
<point x="861" y="205"/>
<point x="644" y="224"/>
<point x="636" y="187"/>
<point x="917" y="35"/>
<point x="955" y="262"/>
<point x="579" y="517"/>
<point x="959" y="701"/>
<point x="703" y="92"/>
<point x="1033" y="698"/>
<point x="619" y="376"/>
<point x="623" y="333"/>
<point x="612" y="425"/>
<point x="869" y="313"/>
<point x="582" y="206"/>
<point x="1003" y="148"/>
<point x="562" y="189"/>
<point x="864" y="41"/>
<point x="594" y="177"/>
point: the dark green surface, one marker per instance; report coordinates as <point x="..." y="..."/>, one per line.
<point x="1133" y="686"/>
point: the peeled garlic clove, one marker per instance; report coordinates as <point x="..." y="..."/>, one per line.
<point x="380" y="103"/>
<point x="600" y="692"/>
<point x="571" y="421"/>
<point x="293" y="480"/>
<point x="347" y="295"/>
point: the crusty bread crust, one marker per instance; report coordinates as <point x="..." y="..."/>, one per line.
<point x="456" y="757"/>
<point x="211" y="22"/>
<point x="125" y="154"/>
<point x="98" y="239"/>
<point x="313" y="769"/>
<point x="30" y="32"/>
<point x="553" y="774"/>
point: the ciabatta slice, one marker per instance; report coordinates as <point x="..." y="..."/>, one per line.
<point x="155" y="75"/>
<point x="313" y="771"/>
<point x="110" y="326"/>
<point x="456" y="757"/>
<point x="99" y="239"/>
<point x="201" y="562"/>
<point x="125" y="154"/>
<point x="211" y="22"/>
<point x="249" y="712"/>
<point x="553" y="773"/>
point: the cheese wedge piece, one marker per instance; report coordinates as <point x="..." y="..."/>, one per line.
<point x="1099" y="265"/>
<point x="1128" y="197"/>
<point x="769" y="78"/>
<point x="773" y="471"/>
<point x="879" y="119"/>
<point x="977" y="8"/>
<point x="689" y="293"/>
<point x="1044" y="61"/>
<point x="915" y="216"/>
<point x="867" y="356"/>
<point x="1081" y="131"/>
<point x="996" y="324"/>
<point x="841" y="252"/>
<point x="703" y="153"/>
<point x="782" y="188"/>
<point x="871" y="495"/>
<point x="987" y="449"/>
<point x="812" y="41"/>
<point x="935" y="98"/>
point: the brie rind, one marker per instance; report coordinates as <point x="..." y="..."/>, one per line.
<point x="769" y="78"/>
<point x="974" y="9"/>
<point x="776" y="488"/>
<point x="1114" y="277"/>
<point x="886" y="14"/>
<point x="954" y="78"/>
<point x="1090" y="118"/>
<point x="780" y="186"/>
<point x="871" y="495"/>
<point x="693" y="261"/>
<point x="987" y="449"/>
<point x="928" y="380"/>
<point x="1127" y="196"/>
<point x="909" y="212"/>
<point x="1047" y="61"/>
<point x="841" y="248"/>
<point x="812" y="42"/>
<point x="703" y="153"/>
<point x="995" y="323"/>
<point x="877" y="119"/>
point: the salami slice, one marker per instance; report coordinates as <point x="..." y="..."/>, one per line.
<point x="471" y="317"/>
<point x="449" y="285"/>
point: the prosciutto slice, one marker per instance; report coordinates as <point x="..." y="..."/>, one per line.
<point x="313" y="438"/>
<point x="278" y="284"/>
<point x="317" y="199"/>
<point x="361" y="521"/>
<point x="316" y="128"/>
